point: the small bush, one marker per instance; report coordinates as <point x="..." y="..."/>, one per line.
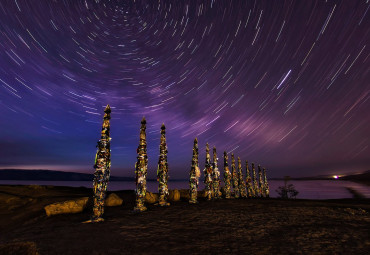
<point x="287" y="191"/>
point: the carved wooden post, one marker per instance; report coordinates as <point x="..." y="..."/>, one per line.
<point x="162" y="171"/>
<point x="194" y="174"/>
<point x="216" y="176"/>
<point x="102" y="169"/>
<point x="208" y="175"/>
<point x="141" y="169"/>
<point x="227" y="177"/>
<point x="235" y="177"/>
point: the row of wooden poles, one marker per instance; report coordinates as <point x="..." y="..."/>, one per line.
<point x="242" y="187"/>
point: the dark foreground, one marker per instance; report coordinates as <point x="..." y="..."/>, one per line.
<point x="255" y="226"/>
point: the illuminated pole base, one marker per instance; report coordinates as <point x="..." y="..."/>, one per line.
<point x="94" y="220"/>
<point x="163" y="203"/>
<point x="219" y="195"/>
<point x="140" y="208"/>
<point x="208" y="195"/>
<point x="193" y="198"/>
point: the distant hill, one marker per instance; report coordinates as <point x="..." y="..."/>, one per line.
<point x="362" y="178"/>
<point x="50" y="175"/>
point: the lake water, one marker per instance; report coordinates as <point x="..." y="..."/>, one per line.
<point x="317" y="189"/>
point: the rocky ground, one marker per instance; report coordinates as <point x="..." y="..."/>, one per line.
<point x="235" y="226"/>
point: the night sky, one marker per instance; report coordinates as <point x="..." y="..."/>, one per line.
<point x="284" y="84"/>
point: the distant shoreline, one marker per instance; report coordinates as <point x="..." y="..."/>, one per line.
<point x="365" y="182"/>
<point x="51" y="175"/>
<point x="44" y="173"/>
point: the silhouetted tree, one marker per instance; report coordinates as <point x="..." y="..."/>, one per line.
<point x="288" y="190"/>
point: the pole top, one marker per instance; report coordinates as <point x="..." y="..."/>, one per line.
<point x="107" y="109"/>
<point x="143" y="121"/>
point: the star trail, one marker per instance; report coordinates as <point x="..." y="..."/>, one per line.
<point x="284" y="84"/>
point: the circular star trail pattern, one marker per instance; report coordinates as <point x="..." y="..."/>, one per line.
<point x="281" y="83"/>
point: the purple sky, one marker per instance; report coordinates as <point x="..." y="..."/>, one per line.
<point x="284" y="84"/>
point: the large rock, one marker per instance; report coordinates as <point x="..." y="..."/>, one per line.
<point x="174" y="195"/>
<point x="70" y="206"/>
<point x="113" y="200"/>
<point x="151" y="198"/>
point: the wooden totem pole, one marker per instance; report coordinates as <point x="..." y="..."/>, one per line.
<point x="102" y="169"/>
<point x="242" y="187"/>
<point x="248" y="180"/>
<point x="234" y="174"/>
<point x="162" y="171"/>
<point x="227" y="177"/>
<point x="255" y="183"/>
<point x="267" y="188"/>
<point x="141" y="170"/>
<point x="216" y="176"/>
<point x="261" y="185"/>
<point x="208" y="175"/>
<point x="194" y="174"/>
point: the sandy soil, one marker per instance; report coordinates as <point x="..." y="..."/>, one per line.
<point x="235" y="226"/>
